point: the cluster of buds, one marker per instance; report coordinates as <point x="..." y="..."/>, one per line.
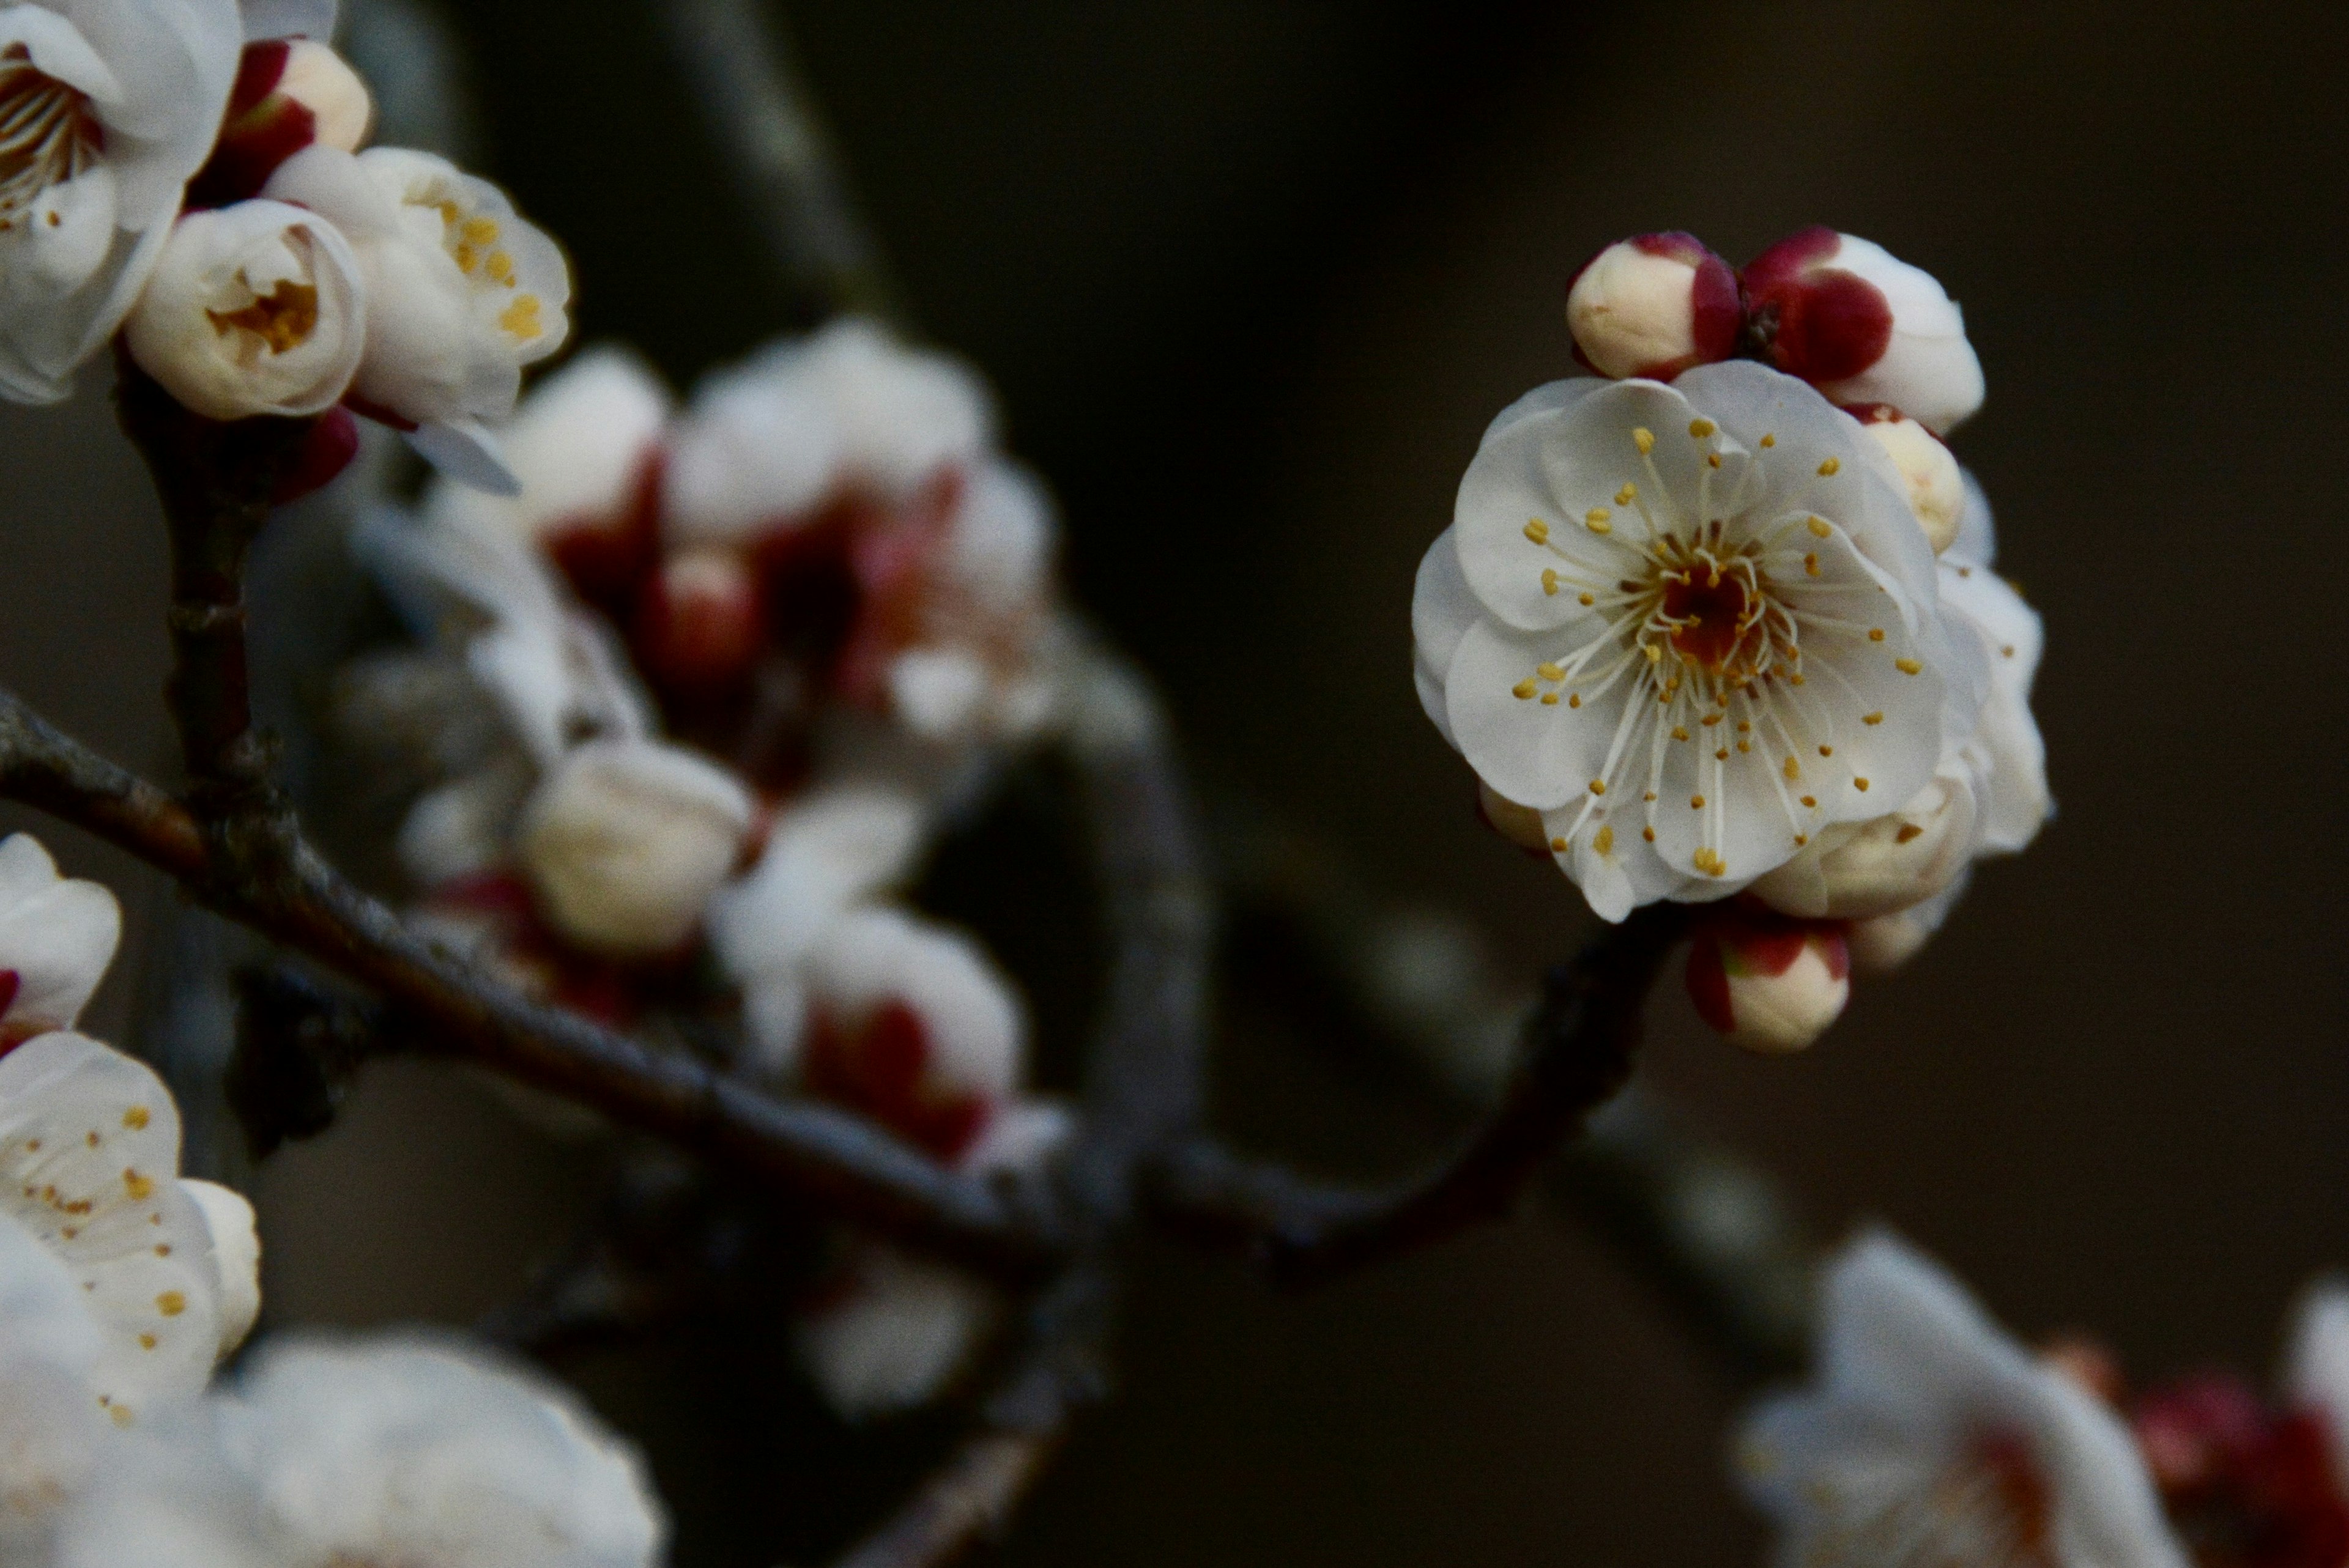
<point x="194" y="175"/>
<point x="1718" y="623"/>
<point x="1932" y="1428"/>
<point x="124" y="1285"/>
<point x="737" y="661"/>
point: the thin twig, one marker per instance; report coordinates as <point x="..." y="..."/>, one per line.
<point x="738" y="65"/>
<point x="807" y="1151"/>
<point x="1577" y="1052"/>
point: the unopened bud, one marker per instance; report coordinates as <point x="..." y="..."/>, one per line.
<point x="1769" y="984"/>
<point x="1653" y="305"/>
<point x="1521" y="825"/>
<point x="290" y="93"/>
<point x="1862" y="326"/>
<point x="625" y="841"/>
<point x="1936" y="485"/>
<point x="701" y="624"/>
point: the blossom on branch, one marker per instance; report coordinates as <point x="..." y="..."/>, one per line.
<point x="254" y="309"/>
<point x="1863" y="327"/>
<point x="106" y="108"/>
<point x="1654" y="306"/>
<point x="1933" y="1438"/>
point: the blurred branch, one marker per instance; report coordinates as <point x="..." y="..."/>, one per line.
<point x="1577" y="1051"/>
<point x="739" y="67"/>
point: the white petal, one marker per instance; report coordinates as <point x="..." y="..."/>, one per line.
<point x="2316" y="1364"/>
<point x="1442" y="610"/>
<point x="832" y="850"/>
<point x="236" y="1256"/>
<point x="49" y="1426"/>
<point x="1541" y="755"/>
<point x="467" y="451"/>
<point x="894" y="1337"/>
<point x="975" y="1027"/>
<point x="90" y="1153"/>
<point x="60" y="935"/>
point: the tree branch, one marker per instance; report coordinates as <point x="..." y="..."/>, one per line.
<point x="1578" y="1049"/>
<point x="806" y="1151"/>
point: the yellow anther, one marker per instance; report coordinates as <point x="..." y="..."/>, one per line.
<point x="500" y="266"/>
<point x="1645" y="439"/>
<point x="1872" y="718"/>
<point x="1812" y="801"/>
<point x="1820" y="528"/>
<point x="1524" y="691"/>
<point x="1709" y="861"/>
<point x="1796" y="679"/>
<point x="1558" y="846"/>
<point x="1875" y="633"/>
<point x="1590" y="599"/>
<point x="1627" y="495"/>
<point x="1696" y="802"/>
<point x="1794" y="768"/>
<point x="1831" y="468"/>
<point x="1810" y="565"/>
<point x="1827" y="751"/>
<point x="1721" y="755"/>
<point x="171" y="1303"/>
<point x="1701" y="428"/>
<point x="1648" y="834"/>
<point x="1801" y="838"/>
<point x="1574" y="700"/>
<point x="135" y="1119"/>
<point x="1743" y="747"/>
<point x="468" y="258"/>
<point x="1713" y="459"/>
<point x="1769" y="441"/>
<point x="1549" y="699"/>
<point x="1599" y="785"/>
<point x="140" y="1188"/>
<point x="1549" y="671"/>
<point x="1550" y="580"/>
<point x="1745" y="726"/>
<point x="1604" y="840"/>
<point x="521" y="319"/>
<point x="1861" y="785"/>
<point x="1596" y="520"/>
<point x="1680" y="732"/>
<point x="1908" y="667"/>
<point x="1710" y="719"/>
<point x="1537" y="531"/>
<point x="1655" y="654"/>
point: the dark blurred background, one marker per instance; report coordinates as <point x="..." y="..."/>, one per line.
<point x="1251" y="276"/>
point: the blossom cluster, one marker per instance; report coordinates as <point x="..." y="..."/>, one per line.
<point x="123" y="1286"/>
<point x="695" y="701"/>
<point x="1719" y="622"/>
<point x="1933" y="1437"/>
<point x="194" y="175"/>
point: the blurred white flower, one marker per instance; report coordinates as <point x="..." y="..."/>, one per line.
<point x="290" y="93"/>
<point x="1772" y="986"/>
<point x="2004" y="744"/>
<point x="253" y="309"/>
<point x="51" y="1426"/>
<point x="460" y="291"/>
<point x="625" y="840"/>
<point x="828" y="852"/>
<point x="406" y="1451"/>
<point x="1654" y="305"/>
<point x="1933" y="1438"/>
<point x="766" y="443"/>
<point x="58" y="936"/>
<point x="266" y="19"/>
<point x="1863" y="327"/>
<point x="106" y="108"/>
<point x="89" y="1162"/>
<point x="2316" y="1368"/>
<point x="1693" y="625"/>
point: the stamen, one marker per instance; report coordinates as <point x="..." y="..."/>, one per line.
<point x="1537" y="531"/>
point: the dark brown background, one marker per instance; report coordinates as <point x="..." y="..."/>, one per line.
<point x="1251" y="277"/>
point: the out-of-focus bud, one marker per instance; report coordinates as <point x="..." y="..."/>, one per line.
<point x="1768" y="983"/>
<point x="290" y="93"/>
<point x="1856" y="870"/>
<point x="1883" y="943"/>
<point x="1862" y="326"/>
<point x="1653" y="305"/>
<point x="58" y="935"/>
<point x="1521" y="825"/>
<point x="253" y="309"/>
<point x="1937" y="486"/>
<point x="625" y="841"/>
<point x="701" y="624"/>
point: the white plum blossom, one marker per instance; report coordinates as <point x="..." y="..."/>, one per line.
<point x="849" y="408"/>
<point x="829" y="852"/>
<point x="1654" y="305"/>
<point x="406" y="1450"/>
<point x="461" y="293"/>
<point x="625" y="841"/>
<point x="1691" y="625"/>
<point x="107" y="108"/>
<point x="1863" y="327"/>
<point x="58" y="937"/>
<point x="89" y="1161"/>
<point x="50" y="1428"/>
<point x="257" y="308"/>
<point x="965" y="1032"/>
<point x="1931" y="1438"/>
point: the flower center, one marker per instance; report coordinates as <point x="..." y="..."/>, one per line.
<point x="47" y="135"/>
<point x="284" y="319"/>
<point x="1706" y="610"/>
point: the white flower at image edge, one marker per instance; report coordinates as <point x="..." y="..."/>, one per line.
<point x="257" y="308"/>
<point x="405" y="1453"/>
<point x="1933" y="1437"/>
<point x="461" y="293"/>
<point x="106" y="108"/>
<point x="58" y="935"/>
<point x="1690" y="625"/>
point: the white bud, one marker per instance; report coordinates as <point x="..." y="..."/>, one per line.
<point x="974" y="1031"/>
<point x="1863" y="327"/>
<point x="627" y="840"/>
<point x="256" y="308"/>
<point x="1654" y="306"/>
<point x="323" y="82"/>
<point x="1855" y="870"/>
<point x="1772" y="986"/>
<point x="1937" y="486"/>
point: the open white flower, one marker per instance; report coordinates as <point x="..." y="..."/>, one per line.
<point x="1933" y="1438"/>
<point x="106" y="108"/>
<point x="406" y="1450"/>
<point x="254" y="309"/>
<point x="626" y="840"/>
<point x="1691" y="625"/>
<point x="460" y="294"/>
<point x="89" y="1161"/>
<point x="58" y="935"/>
